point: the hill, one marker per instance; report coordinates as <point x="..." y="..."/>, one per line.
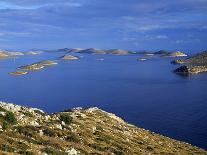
<point x="25" y="130"/>
<point x="194" y="64"/>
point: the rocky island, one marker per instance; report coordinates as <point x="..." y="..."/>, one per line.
<point x="7" y="54"/>
<point x="192" y="65"/>
<point x="34" y="66"/>
<point x="79" y="131"/>
<point x="96" y="51"/>
<point x="38" y="65"/>
<point x="170" y="54"/>
<point x="69" y="57"/>
<point x="18" y="72"/>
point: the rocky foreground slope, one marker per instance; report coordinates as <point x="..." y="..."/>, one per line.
<point x="30" y="131"/>
<point x="194" y="64"/>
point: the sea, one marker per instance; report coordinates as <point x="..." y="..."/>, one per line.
<point x="147" y="93"/>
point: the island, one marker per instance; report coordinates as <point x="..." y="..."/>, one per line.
<point x="18" y="72"/>
<point x="34" y="66"/>
<point x="79" y="131"/>
<point x="69" y="57"/>
<point x="96" y="51"/>
<point x="7" y="54"/>
<point x="170" y="54"/>
<point x="192" y="65"/>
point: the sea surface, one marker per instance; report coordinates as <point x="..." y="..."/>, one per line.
<point x="145" y="93"/>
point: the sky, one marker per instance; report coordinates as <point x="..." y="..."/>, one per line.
<point x="104" y="24"/>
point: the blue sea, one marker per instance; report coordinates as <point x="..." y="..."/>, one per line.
<point x="145" y="93"/>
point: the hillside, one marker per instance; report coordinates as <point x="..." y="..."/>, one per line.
<point x="194" y="64"/>
<point x="30" y="131"/>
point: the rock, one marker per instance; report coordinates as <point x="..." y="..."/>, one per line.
<point x="58" y="126"/>
<point x="41" y="133"/>
<point x="70" y="57"/>
<point x="72" y="152"/>
<point x="190" y="69"/>
<point x="34" y="123"/>
<point x="2" y="113"/>
<point x="1" y="129"/>
<point x="63" y="123"/>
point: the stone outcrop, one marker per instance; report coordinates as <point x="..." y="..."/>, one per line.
<point x="190" y="69"/>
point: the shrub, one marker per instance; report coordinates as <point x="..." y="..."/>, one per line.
<point x="66" y="118"/>
<point x="2" y="109"/>
<point x="49" y="132"/>
<point x="7" y="148"/>
<point x="53" y="151"/>
<point x="4" y="125"/>
<point x="72" y="138"/>
<point x="25" y="131"/>
<point x="10" y="118"/>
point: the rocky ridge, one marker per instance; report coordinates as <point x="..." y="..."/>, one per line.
<point x="192" y="65"/>
<point x="25" y="130"/>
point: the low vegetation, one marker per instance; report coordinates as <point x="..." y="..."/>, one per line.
<point x="79" y="131"/>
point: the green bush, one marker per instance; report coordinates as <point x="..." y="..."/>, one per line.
<point x="4" y="125"/>
<point x="7" y="148"/>
<point x="66" y="118"/>
<point x="72" y="138"/>
<point x="26" y="131"/>
<point x="10" y="118"/>
<point x="49" y="132"/>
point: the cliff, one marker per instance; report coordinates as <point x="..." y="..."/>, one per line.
<point x="25" y="130"/>
<point x="194" y="64"/>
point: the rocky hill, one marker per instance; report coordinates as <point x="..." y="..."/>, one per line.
<point x="8" y="54"/>
<point x="194" y="64"/>
<point x="96" y="51"/>
<point x="31" y="131"/>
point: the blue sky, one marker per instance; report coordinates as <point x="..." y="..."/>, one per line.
<point x="127" y="24"/>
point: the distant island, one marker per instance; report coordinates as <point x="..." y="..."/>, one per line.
<point x="31" y="131"/>
<point x="192" y="65"/>
<point x="8" y="54"/>
<point x="22" y="70"/>
<point x="121" y="52"/>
